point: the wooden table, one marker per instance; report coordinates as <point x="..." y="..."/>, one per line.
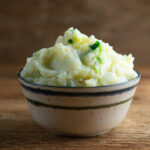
<point x="19" y="131"/>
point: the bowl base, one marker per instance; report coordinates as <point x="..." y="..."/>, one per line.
<point x="78" y="135"/>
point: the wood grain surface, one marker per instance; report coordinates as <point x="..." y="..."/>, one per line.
<point x="18" y="131"/>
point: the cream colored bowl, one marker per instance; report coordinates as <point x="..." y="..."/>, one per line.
<point x="79" y="111"/>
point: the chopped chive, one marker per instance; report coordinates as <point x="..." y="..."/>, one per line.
<point x="70" y="41"/>
<point x="99" y="59"/>
<point x="95" y="69"/>
<point x="100" y="48"/>
<point x="95" y="45"/>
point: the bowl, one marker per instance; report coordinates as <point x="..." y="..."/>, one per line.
<point x="79" y="111"/>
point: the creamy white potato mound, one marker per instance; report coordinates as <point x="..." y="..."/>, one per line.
<point x="77" y="60"/>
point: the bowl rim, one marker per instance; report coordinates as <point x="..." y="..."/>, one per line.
<point x="103" y="86"/>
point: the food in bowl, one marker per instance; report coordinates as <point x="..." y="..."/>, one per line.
<point x="80" y="86"/>
<point x="77" y="60"/>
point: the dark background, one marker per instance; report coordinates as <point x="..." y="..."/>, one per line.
<point x="28" y="25"/>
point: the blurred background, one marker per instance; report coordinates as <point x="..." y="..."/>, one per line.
<point x="28" y="25"/>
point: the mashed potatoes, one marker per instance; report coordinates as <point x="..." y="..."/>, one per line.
<point x="77" y="60"/>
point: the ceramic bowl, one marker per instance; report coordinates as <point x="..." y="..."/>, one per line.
<point x="79" y="111"/>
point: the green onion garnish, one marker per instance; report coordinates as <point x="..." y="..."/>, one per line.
<point x="95" y="69"/>
<point x="95" y="45"/>
<point x="70" y="41"/>
<point x="99" y="59"/>
<point x="100" y="48"/>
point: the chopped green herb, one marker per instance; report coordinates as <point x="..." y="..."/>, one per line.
<point x="95" y="69"/>
<point x="99" y="59"/>
<point x="70" y="41"/>
<point x="100" y="48"/>
<point x="95" y="45"/>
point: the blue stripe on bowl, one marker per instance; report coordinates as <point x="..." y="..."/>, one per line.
<point x="39" y="104"/>
<point x="76" y="94"/>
